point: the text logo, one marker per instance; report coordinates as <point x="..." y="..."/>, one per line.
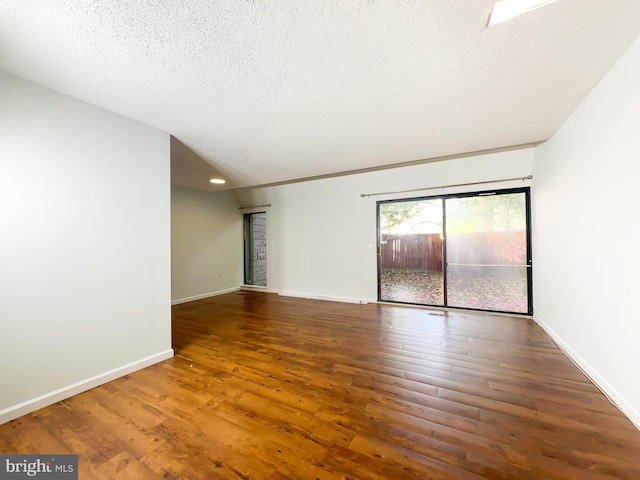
<point x="50" y="467"/>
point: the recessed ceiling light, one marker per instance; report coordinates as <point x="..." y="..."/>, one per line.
<point x="504" y="10"/>
<point x="217" y="181"/>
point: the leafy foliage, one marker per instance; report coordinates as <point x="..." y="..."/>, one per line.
<point x="411" y="217"/>
<point x="505" y="212"/>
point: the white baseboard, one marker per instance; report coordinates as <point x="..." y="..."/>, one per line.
<point x="605" y="387"/>
<point x="204" y="295"/>
<point x="310" y="296"/>
<point x="50" y="398"/>
<point x="258" y="288"/>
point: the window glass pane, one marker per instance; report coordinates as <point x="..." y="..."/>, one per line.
<point x="411" y="252"/>
<point x="487" y="252"/>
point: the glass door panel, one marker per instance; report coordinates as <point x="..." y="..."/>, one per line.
<point x="487" y="252"/>
<point x="411" y="251"/>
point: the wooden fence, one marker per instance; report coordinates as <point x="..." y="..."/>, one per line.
<point x="416" y="251"/>
<point x="423" y="251"/>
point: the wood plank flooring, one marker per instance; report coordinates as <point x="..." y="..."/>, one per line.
<point x="268" y="387"/>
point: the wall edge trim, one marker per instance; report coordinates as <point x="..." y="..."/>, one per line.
<point x="315" y="296"/>
<point x="308" y="296"/>
<point x="178" y="301"/>
<point x="618" y="400"/>
<point x="55" y="396"/>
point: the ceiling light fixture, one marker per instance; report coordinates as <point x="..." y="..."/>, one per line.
<point x="217" y="181"/>
<point x="504" y="10"/>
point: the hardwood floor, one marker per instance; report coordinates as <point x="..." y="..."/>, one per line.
<point x="268" y="387"/>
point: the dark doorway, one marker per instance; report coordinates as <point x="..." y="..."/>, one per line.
<point x="255" y="249"/>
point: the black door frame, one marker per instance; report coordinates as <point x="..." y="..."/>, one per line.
<point x="248" y="247"/>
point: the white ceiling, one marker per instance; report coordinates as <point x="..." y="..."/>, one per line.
<point x="270" y="91"/>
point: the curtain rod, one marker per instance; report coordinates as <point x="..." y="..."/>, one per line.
<point x="528" y="177"/>
<point x="254" y="206"/>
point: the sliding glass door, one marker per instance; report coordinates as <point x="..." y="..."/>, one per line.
<point x="488" y="264"/>
<point x="411" y="251"/>
<point x="467" y="251"/>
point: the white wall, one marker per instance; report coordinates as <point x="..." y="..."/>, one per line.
<point x="586" y="234"/>
<point x="318" y="231"/>
<point x="206" y="244"/>
<point x="84" y="246"/>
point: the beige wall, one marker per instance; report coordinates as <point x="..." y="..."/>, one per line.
<point x="84" y="248"/>
<point x="318" y="231"/>
<point x="586" y="234"/>
<point x="206" y="244"/>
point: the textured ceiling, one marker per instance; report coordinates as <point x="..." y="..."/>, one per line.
<point x="269" y="91"/>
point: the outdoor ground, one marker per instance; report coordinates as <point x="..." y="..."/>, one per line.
<point x="498" y="289"/>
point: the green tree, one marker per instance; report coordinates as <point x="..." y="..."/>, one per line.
<point x="410" y="216"/>
<point x="487" y="213"/>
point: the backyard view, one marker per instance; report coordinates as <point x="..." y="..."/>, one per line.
<point x="485" y="259"/>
